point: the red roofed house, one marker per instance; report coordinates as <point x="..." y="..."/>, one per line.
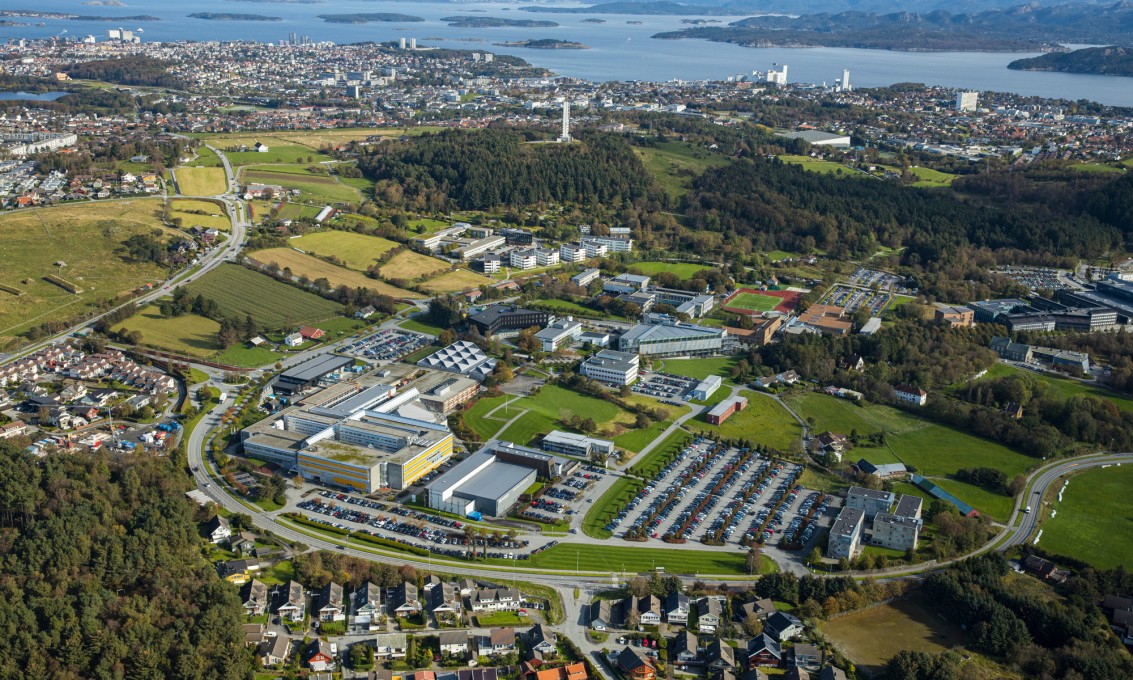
<point x="311" y="333"/>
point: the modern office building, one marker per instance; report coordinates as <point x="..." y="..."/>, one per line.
<point x="662" y="336"/>
<point x="612" y="367"/>
<point x="308" y="374"/>
<point x="625" y="283"/>
<point x="449" y="394"/>
<point x="584" y="277"/>
<point x="470" y="248"/>
<point x="578" y="445"/>
<point x="559" y="334"/>
<point x="490" y="263"/>
<point x="508" y="318"/>
<point x="706" y="388"/>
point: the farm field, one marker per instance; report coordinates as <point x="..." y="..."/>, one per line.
<point x="356" y="251"/>
<point x="820" y="166"/>
<point x="674" y="164"/>
<point x="313" y="187"/>
<point x="764" y="421"/>
<point x="1093" y="514"/>
<point x="200" y="181"/>
<point x="241" y="292"/>
<point x="87" y="237"/>
<point x="456" y="280"/>
<point x="871" y="636"/>
<point x="411" y="266"/>
<point x="698" y="368"/>
<point x="189" y="211"/>
<point x="188" y="334"/>
<point x="314" y="269"/>
<point x="294" y="211"/>
<point x="1064" y="387"/>
<point x="684" y="270"/>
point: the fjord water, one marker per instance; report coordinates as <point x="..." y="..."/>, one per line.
<point x="619" y="51"/>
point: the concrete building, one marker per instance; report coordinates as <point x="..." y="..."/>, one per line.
<point x="490" y="263"/>
<point x="706" y="388"/>
<point x="846" y="534"/>
<point x="491" y="480"/>
<point x="662" y="336"/>
<point x="460" y="357"/>
<point x="523" y="259"/>
<point x="508" y="318"/>
<point x="577" y="445"/>
<point x="819" y="138"/>
<point x="910" y="395"/>
<point x="613" y="244"/>
<point x="559" y="334"/>
<point x="450" y="394"/>
<point x="967" y="101"/>
<point x="595" y="249"/>
<point x="954" y="316"/>
<point x="546" y="257"/>
<point x="572" y="252"/>
<point x="625" y="283"/>
<point x="307" y="374"/>
<point x="475" y="247"/>
<point x="724" y="410"/>
<point x="612" y="367"/>
<point x="899" y="530"/>
<point x="584" y="277"/>
<point x="869" y="501"/>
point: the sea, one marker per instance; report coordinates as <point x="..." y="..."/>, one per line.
<point x="619" y="50"/>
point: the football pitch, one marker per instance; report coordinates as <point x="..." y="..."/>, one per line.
<point x="754" y="302"/>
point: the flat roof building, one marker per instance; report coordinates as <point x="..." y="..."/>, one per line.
<point x="309" y="373"/>
<point x="665" y="336"/>
<point x="584" y="277"/>
<point x="724" y="410"/>
<point x="559" y="334"/>
<point x="491" y="480"/>
<point x="869" y="501"/>
<point x="706" y="388"/>
<point x="508" y="318"/>
<point x="819" y="138"/>
<point x="450" y="394"/>
<point x="612" y="367"/>
<point x="846" y="534"/>
<point x="461" y="357"/>
<point x="576" y="444"/>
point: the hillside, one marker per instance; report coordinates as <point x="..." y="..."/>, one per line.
<point x="1106" y="61"/>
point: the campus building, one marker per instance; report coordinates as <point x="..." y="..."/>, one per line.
<point x="308" y="374"/>
<point x="846" y="534"/>
<point x="578" y="445"/>
<point x="612" y="367"/>
<point x="899" y="530"/>
<point x="559" y="334"/>
<point x="724" y="410"/>
<point x="508" y="318"/>
<point x="663" y="335"/>
<point x="491" y="480"/>
<point x="869" y="501"/>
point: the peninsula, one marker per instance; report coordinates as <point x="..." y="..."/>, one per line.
<point x="1105" y="61"/>
<point x="367" y="18"/>
<point x="546" y="44"/>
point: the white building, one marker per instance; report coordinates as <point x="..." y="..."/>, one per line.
<point x="595" y="249"/>
<point x="523" y="259"/>
<point x="491" y="263"/>
<point x="967" y="101"/>
<point x="572" y="252"/>
<point x="584" y="277"/>
<point x="777" y="77"/>
<point x="613" y="244"/>
<point x="546" y="257"/>
<point x="911" y="395"/>
<point x="609" y="366"/>
<point x="559" y="334"/>
<point x="846" y="534"/>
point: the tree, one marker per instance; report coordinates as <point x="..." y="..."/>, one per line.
<point x="638" y="586"/>
<point x="361" y="656"/>
<point x="241" y="521"/>
<point x="754" y="561"/>
<point x="753" y="625"/>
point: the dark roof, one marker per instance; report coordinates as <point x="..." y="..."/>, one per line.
<point x="315" y="368"/>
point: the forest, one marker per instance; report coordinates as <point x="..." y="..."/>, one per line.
<point x="102" y="575"/>
<point x="136" y="70"/>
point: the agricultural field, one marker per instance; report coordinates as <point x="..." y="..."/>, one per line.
<point x="411" y="266"/>
<point x="674" y="164"/>
<point x="241" y="292"/>
<point x="871" y="636"/>
<point x="764" y="421"/>
<point x="313" y="187"/>
<point x="189" y="334"/>
<point x="314" y="268"/>
<point x="199" y="213"/>
<point x="356" y="251"/>
<point x="454" y="281"/>
<point x="294" y="211"/>
<point x="684" y="270"/>
<point x="87" y="237"/>
<point x="1093" y="515"/>
<point x="200" y="181"/>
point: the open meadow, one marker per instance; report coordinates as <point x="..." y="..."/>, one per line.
<point x="313" y="268"/>
<point x="240" y="292"/>
<point x="87" y="239"/>
<point x="684" y="270"/>
<point x="455" y="281"/>
<point x="313" y="187"/>
<point x="188" y="334"/>
<point x="1093" y="521"/>
<point x="356" y="251"/>
<point x="674" y="164"/>
<point x="411" y="266"/>
<point x="194" y="213"/>
<point x="193" y="181"/>
<point x="871" y="636"/>
<point x="764" y="421"/>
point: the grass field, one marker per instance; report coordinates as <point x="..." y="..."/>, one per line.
<point x="189" y="334"/>
<point x="546" y="407"/>
<point x="190" y="213"/>
<point x="927" y="177"/>
<point x="294" y="211"/>
<point x="240" y="292"/>
<point x="684" y="270"/>
<point x="411" y="266"/>
<point x="823" y="167"/>
<point x="200" y="181"/>
<point x="88" y="238"/>
<point x="764" y="421"/>
<point x="356" y="251"/>
<point x="1091" y="519"/>
<point x="456" y="280"/>
<point x="569" y="307"/>
<point x="1096" y="167"/>
<point x="248" y="357"/>
<point x="607" y="558"/>
<point x="698" y="368"/>
<point x="314" y="268"/>
<point x="871" y="636"/>
<point x="674" y="164"/>
<point x="421" y="327"/>
<point x="754" y="302"/>
<point x="1064" y="387"/>
<point x="313" y="187"/>
<point x="477" y="416"/>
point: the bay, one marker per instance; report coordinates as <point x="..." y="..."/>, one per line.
<point x="618" y="50"/>
<point x="31" y="96"/>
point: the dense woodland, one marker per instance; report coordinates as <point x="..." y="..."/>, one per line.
<point x="137" y="70"/>
<point x="102" y="576"/>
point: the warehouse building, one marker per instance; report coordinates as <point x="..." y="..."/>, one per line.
<point x="662" y="335"/>
<point x="491" y="480"/>
<point x="308" y="374"/>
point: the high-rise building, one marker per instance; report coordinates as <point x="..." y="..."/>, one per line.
<point x="777" y="77"/>
<point x="967" y="101"/>
<point x="565" y="136"/>
<point x="413" y="43"/>
<point x="401" y="43"/>
<point x="845" y="84"/>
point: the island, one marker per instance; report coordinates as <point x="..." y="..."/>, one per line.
<point x="634" y="22"/>
<point x="1104" y="61"/>
<point x="36" y="14"/>
<point x="663" y="8"/>
<point x="463" y="21"/>
<point x="282" y="2"/>
<point x="545" y="44"/>
<point x="228" y="16"/>
<point x="699" y="22"/>
<point x="7" y="22"/>
<point x="105" y="3"/>
<point x="592" y="20"/>
<point x="367" y="18"/>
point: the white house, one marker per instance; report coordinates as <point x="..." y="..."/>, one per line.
<point x="911" y="395"/>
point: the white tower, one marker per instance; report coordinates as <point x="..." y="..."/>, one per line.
<point x="565" y="136"/>
<point x="845" y="80"/>
<point x="401" y="44"/>
<point x="413" y="43"/>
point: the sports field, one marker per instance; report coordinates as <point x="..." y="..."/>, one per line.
<point x="198" y="213"/>
<point x="755" y="302"/>
<point x="1093" y="522"/>
<point x="189" y="334"/>
<point x="87" y="237"/>
<point x="241" y="292"/>
<point x="314" y="268"/>
<point x="315" y="187"/>
<point x="411" y="266"/>
<point x="456" y="280"/>
<point x="200" y="181"/>
<point x="871" y="636"/>
<point x="356" y="251"/>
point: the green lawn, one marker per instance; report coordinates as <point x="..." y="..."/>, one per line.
<point x="1064" y="387"/>
<point x="1096" y="167"/>
<point x="637" y="439"/>
<point x="277" y="153"/>
<point x="546" y="408"/>
<point x="778" y="255"/>
<point x="927" y="177"/>
<point x="764" y="421"/>
<point x="843" y="416"/>
<point x="248" y="357"/>
<point x="426" y="225"/>
<point x="634" y="559"/>
<point x="820" y="166"/>
<point x="610" y="504"/>
<point x="356" y="251"/>
<point x="754" y="302"/>
<point x="675" y="163"/>
<point x="476" y="418"/>
<point x="421" y="327"/>
<point x="681" y="269"/>
<point x="500" y="619"/>
<point x="698" y="368"/>
<point x="569" y="307"/>
<point x="1093" y="522"/>
<point x="240" y="292"/>
<point x="188" y="334"/>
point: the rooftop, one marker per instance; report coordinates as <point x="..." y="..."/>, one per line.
<point x="316" y="368"/>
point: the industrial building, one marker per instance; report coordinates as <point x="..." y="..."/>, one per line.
<point x="663" y="335"/>
<point x="706" y="388"/>
<point x="612" y="367"/>
<point x="578" y="445"/>
<point x="460" y="357"/>
<point x="508" y="318"/>
<point x="308" y="374"/>
<point x="724" y="410"/>
<point x="819" y="138"/>
<point x="846" y="534"/>
<point x="559" y="334"/>
<point x="449" y="394"/>
<point x="1058" y="358"/>
<point x="491" y="480"/>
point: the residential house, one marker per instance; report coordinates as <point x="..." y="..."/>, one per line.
<point x="676" y="608"/>
<point x="275" y="650"/>
<point x="796" y="673"/>
<point x="499" y="641"/>
<point x="783" y="626"/>
<point x="329" y="604"/>
<point x="390" y="646"/>
<point x="831" y="673"/>
<point x="293" y="340"/>
<point x="320" y="656"/>
<point x="494" y="600"/>
<point x="708" y="613"/>
<point x="367" y="604"/>
<point x="295" y="608"/>
<point x="242" y="543"/>
<point x="365" y="312"/>
<point x="311" y="333"/>
<point x="644" y="611"/>
<point x="254" y="634"/>
<point x="444" y="602"/>
<point x="601" y="615"/>
<point x="831" y="444"/>
<point x="720" y="656"/>
<point x="635" y="665"/>
<point x="218" y="530"/>
<point x="764" y="650"/>
<point x="236" y="571"/>
<point x="571" y="671"/>
<point x="254" y="595"/>
<point x="541" y="639"/>
<point x="910" y="395"/>
<point x="403" y="601"/>
<point x="807" y="656"/>
<point x="761" y="609"/>
<point x="453" y="642"/>
<point x="684" y="647"/>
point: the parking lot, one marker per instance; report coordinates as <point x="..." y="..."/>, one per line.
<point x="883" y="281"/>
<point x="387" y="345"/>
<point x="1034" y="278"/>
<point x="664" y="386"/>
<point x="721" y="496"/>
<point x="853" y="299"/>
<point x="566" y="499"/>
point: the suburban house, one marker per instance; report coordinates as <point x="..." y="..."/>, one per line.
<point x="783" y="626"/>
<point x="910" y="395"/>
<point x="831" y="444"/>
<point x="684" y="647"/>
<point x="541" y="639"/>
<point x="708" y="611"/>
<point x="274" y="651"/>
<point x="764" y="650"/>
<point x="494" y="600"/>
<point x="453" y="642"/>
<point x="676" y="608"/>
<point x="390" y="646"/>
<point x="444" y="602"/>
<point x="600" y="615"/>
<point x="634" y="665"/>
<point x="254" y="634"/>
<point x="320" y="656"/>
<point x="218" y="529"/>
<point x="296" y="605"/>
<point x="329" y="603"/>
<point x="243" y="543"/>
<point x="761" y="609"/>
<point x="499" y="641"/>
<point x="367" y="604"/>
<point x="807" y="656"/>
<point x="645" y="611"/>
<point x="254" y="595"/>
<point x="831" y="673"/>
<point x="571" y="671"/>
<point x="403" y="600"/>
<point x="720" y="656"/>
<point x="293" y="340"/>
<point x="236" y="571"/>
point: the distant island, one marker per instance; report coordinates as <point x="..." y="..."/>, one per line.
<point x="699" y="22"/>
<point x="592" y="20"/>
<point x="36" y="14"/>
<point x="1104" y="61"/>
<point x="105" y="3"/>
<point x="663" y="8"/>
<point x="462" y="21"/>
<point x="545" y="44"/>
<point x="373" y="17"/>
<point x="227" y="16"/>
<point x="282" y="2"/>
<point x="7" y="22"/>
